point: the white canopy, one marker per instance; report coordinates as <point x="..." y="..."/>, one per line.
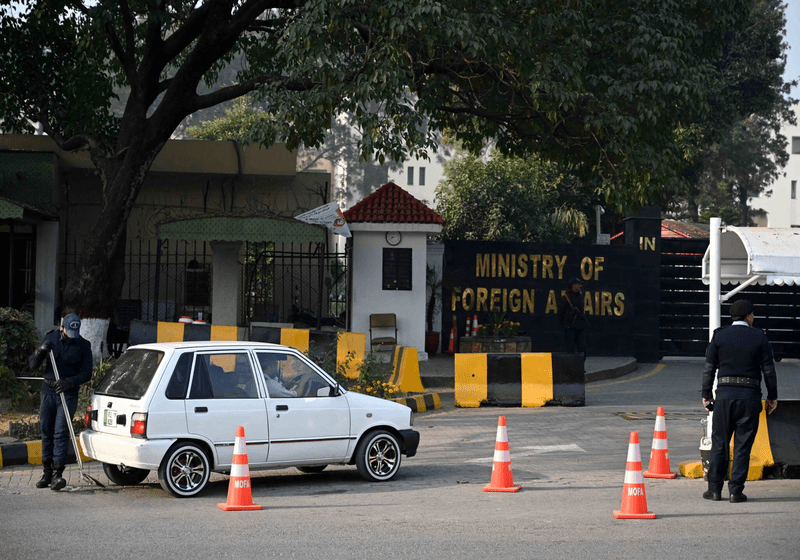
<point x="756" y="255"/>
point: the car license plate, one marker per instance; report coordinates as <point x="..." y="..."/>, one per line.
<point x="110" y="418"/>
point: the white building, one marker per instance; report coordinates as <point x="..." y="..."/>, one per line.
<point x="783" y="207"/>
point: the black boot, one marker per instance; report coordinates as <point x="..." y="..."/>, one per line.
<point x="47" y="475"/>
<point x="58" y="479"/>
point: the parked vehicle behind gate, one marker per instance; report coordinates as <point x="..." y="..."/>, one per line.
<point x="174" y="407"/>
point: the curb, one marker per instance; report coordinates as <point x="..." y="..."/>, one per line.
<point x="421" y="403"/>
<point x="30" y="453"/>
<point x="611" y="373"/>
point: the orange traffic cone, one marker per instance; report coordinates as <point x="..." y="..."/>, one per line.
<point x="240" y="495"/>
<point x="502" y="478"/>
<point x="451" y="346"/>
<point x="659" y="454"/>
<point x="634" y="501"/>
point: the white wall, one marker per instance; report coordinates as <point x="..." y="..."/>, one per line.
<point x="368" y="295"/>
<point x="783" y="211"/>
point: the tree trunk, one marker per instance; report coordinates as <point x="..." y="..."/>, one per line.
<point x="96" y="285"/>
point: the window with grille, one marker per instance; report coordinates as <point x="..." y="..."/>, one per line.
<point x="396" y="269"/>
<point x="421" y="178"/>
<point x="410" y="180"/>
<point x="796" y="144"/>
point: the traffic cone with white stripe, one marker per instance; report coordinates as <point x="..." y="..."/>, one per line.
<point x="451" y="346"/>
<point x="240" y="494"/>
<point x="659" y="454"/>
<point x="634" y="500"/>
<point x="469" y="326"/>
<point x="502" y="478"/>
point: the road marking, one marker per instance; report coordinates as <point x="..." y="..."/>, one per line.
<point x="534" y="450"/>
<point x="656" y="369"/>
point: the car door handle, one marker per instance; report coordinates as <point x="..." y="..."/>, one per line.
<point x="282" y="407"/>
<point x="201" y="409"/>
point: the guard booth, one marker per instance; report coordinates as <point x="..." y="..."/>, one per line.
<point x="747" y="256"/>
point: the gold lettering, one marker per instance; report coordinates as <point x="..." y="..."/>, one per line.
<point x="481" y="265"/>
<point x="455" y="297"/>
<point x="560" y="264"/>
<point x="503" y="265"/>
<point x="647" y="243"/>
<point x="527" y="301"/>
<point x="547" y="266"/>
<point x="598" y="266"/>
<point x="535" y="264"/>
<point x="468" y="299"/>
<point x="586" y="268"/>
<point x="619" y="303"/>
<point x="494" y="265"/>
<point x="552" y="304"/>
<point x="494" y="298"/>
<point x="606" y="305"/>
<point x="597" y="303"/>
<point x="587" y="302"/>
<point x="522" y="266"/>
<point x="514" y="302"/>
<point x="480" y="302"/>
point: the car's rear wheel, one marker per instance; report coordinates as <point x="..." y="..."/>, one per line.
<point x="185" y="470"/>
<point x="316" y="469"/>
<point x="378" y="456"/>
<point x="126" y="476"/>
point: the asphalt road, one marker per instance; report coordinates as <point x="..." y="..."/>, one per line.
<point x="570" y="462"/>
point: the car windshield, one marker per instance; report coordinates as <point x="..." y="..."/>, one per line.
<point x="131" y="374"/>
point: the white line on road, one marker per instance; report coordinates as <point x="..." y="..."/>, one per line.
<point x="534" y="450"/>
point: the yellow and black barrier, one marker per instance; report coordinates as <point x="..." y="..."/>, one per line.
<point x="776" y="447"/>
<point x="30" y="453"/>
<point x="405" y="370"/>
<point x="421" y="403"/>
<point x="318" y="342"/>
<point x="526" y="379"/>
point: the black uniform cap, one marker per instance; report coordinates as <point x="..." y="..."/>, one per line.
<point x="575" y="281"/>
<point x="741" y="308"/>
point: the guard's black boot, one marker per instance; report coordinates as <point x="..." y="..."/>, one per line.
<point x="58" y="479"/>
<point x="47" y="475"/>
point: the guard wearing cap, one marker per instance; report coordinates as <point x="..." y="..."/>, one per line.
<point x="73" y="356"/>
<point x="572" y="317"/>
<point x="738" y="354"/>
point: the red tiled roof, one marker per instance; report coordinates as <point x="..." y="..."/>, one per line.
<point x="391" y="204"/>
<point x="673" y="228"/>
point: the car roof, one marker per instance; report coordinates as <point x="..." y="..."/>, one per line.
<point x="209" y="344"/>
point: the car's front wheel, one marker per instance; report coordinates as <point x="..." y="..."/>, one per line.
<point x="185" y="470"/>
<point x="126" y="476"/>
<point x="378" y="456"/>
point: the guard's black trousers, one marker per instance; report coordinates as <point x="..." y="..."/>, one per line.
<point x="739" y="418"/>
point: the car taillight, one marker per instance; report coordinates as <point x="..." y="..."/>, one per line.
<point x="88" y="417"/>
<point x="139" y="424"/>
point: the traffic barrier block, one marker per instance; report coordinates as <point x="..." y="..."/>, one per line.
<point x="421" y="403"/>
<point x="527" y="379"/>
<point x="405" y="370"/>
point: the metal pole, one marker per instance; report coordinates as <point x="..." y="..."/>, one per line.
<point x="714" y="289"/>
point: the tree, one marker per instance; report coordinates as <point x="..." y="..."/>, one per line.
<point x="598" y="85"/>
<point x="510" y="199"/>
<point x="745" y="152"/>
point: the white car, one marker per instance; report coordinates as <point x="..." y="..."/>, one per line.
<point x="175" y="407"/>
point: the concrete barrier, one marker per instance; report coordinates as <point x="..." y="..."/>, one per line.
<point x="319" y="342"/>
<point x="526" y="379"/>
<point x="30" y="453"/>
<point x="405" y="370"/>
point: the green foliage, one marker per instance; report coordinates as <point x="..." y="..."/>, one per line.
<point x="22" y="395"/>
<point x="236" y="124"/>
<point x="510" y="199"/>
<point x="373" y="374"/>
<point x="498" y="325"/>
<point x="18" y="339"/>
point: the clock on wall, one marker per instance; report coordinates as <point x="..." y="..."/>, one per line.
<point x="393" y="237"/>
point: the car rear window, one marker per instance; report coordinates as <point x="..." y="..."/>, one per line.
<point x="131" y="374"/>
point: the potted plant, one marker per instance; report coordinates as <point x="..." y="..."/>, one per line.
<point x="433" y="283"/>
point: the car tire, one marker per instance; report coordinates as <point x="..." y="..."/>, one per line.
<point x="378" y="456"/>
<point x="127" y="476"/>
<point x="315" y="469"/>
<point x="185" y="470"/>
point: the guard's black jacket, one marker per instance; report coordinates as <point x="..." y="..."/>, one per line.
<point x="73" y="359"/>
<point x="739" y="350"/>
<point x="570" y="311"/>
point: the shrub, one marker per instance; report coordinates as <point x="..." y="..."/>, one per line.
<point x="18" y="340"/>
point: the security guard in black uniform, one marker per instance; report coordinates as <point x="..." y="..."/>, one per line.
<point x="739" y="354"/>
<point x="73" y="356"/>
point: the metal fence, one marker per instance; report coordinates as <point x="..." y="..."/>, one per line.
<point x="167" y="279"/>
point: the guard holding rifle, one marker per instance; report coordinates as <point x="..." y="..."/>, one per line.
<point x="738" y="354"/>
<point x="73" y="356"/>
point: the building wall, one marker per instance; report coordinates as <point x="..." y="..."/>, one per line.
<point x="368" y="295"/>
<point x="783" y="211"/>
